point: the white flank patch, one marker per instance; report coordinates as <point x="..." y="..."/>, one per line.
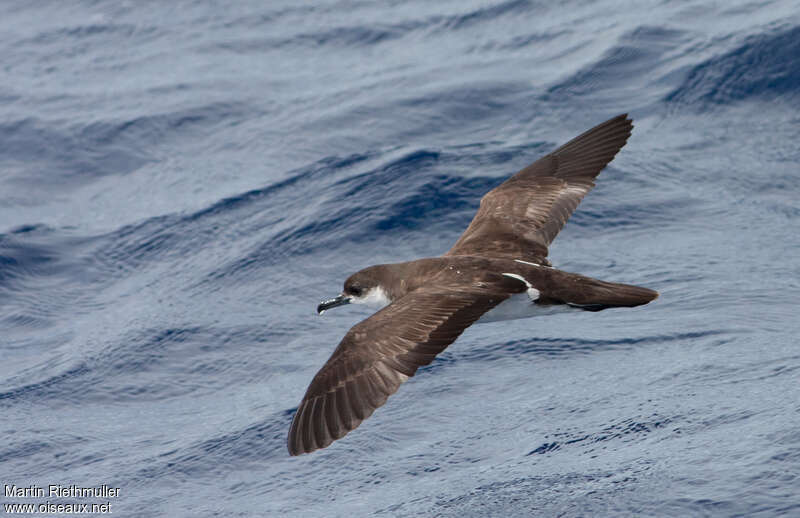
<point x="533" y="293"/>
<point x="376" y="297"/>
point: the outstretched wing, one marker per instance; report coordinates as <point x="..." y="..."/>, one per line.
<point x="383" y="351"/>
<point x="520" y="218"/>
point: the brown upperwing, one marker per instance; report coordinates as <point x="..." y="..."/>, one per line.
<point x="383" y="351"/>
<point x="520" y="218"/>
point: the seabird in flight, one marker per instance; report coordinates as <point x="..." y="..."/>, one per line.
<point x="497" y="270"/>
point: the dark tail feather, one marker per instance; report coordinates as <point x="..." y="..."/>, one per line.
<point x="594" y="295"/>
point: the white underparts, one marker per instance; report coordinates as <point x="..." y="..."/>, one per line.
<point x="521" y="305"/>
<point x="517" y="306"/>
<point x="376" y="297"/>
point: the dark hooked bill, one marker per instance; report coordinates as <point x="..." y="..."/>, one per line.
<point x="341" y="300"/>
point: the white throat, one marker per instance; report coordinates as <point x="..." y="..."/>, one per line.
<point x="376" y="297"/>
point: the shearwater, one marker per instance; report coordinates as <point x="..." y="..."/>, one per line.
<point x="497" y="270"/>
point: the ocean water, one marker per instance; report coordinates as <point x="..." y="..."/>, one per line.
<point x="182" y="182"/>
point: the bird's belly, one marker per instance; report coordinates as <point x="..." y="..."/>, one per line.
<point x="521" y="306"/>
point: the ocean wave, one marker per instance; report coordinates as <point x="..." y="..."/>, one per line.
<point x="765" y="66"/>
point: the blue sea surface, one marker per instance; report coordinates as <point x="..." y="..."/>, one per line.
<point x="181" y="183"/>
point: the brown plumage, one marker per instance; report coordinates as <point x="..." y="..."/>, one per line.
<point x="520" y="218"/>
<point x="502" y="255"/>
<point x="380" y="353"/>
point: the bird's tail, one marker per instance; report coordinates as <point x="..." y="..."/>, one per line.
<point x="594" y="295"/>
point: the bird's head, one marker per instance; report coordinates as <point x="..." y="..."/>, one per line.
<point x="363" y="287"/>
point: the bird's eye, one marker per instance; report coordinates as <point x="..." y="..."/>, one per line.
<point x="356" y="290"/>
